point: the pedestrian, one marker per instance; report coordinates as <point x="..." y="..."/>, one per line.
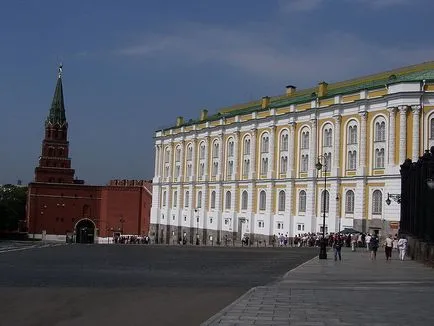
<point x="402" y="247"/>
<point x="373" y="246"/>
<point x="337" y="246"/>
<point x="388" y="246"/>
<point x="353" y="242"/>
<point x="367" y="240"/>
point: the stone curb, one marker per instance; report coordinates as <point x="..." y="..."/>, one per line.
<point x="221" y="313"/>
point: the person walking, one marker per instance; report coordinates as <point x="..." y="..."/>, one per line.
<point x="373" y="246"/>
<point x="402" y="247"/>
<point x="367" y="241"/>
<point x="337" y="246"/>
<point x="388" y="246"/>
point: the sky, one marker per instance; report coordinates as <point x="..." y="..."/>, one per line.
<point x="131" y="67"/>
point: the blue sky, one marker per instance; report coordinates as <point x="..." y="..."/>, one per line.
<point x="131" y="67"/>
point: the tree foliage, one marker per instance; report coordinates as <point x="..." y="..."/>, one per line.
<point x="12" y="206"/>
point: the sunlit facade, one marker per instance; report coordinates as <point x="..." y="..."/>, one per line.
<point x="251" y="169"/>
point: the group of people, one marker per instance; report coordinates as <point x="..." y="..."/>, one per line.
<point x="371" y="242"/>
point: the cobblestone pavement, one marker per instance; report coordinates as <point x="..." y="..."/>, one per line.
<point x="354" y="291"/>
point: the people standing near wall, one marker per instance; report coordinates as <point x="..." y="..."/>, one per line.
<point x="402" y="247"/>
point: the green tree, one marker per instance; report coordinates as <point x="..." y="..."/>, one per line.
<point x="12" y="206"/>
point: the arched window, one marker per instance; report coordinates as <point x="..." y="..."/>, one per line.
<point x="283" y="164"/>
<point x="213" y="199"/>
<point x="264" y="165"/>
<point x="189" y="152"/>
<point x="380" y="131"/>
<point x="228" y="200"/>
<point x="178" y="154"/>
<point x="215" y="150"/>
<point x="244" y="200"/>
<point x="262" y="200"/>
<point x="187" y="198"/>
<point x="282" y="197"/>
<point x="265" y="145"/>
<point x="432" y="128"/>
<point x="284" y="142"/>
<point x="349" y="202"/>
<point x="199" y="199"/>
<point x="352" y="160"/>
<point x="175" y="198"/>
<point x="305" y="140"/>
<point x="164" y="198"/>
<point x="230" y="148"/>
<point x="246" y="150"/>
<point x="352" y="134"/>
<point x="325" y="201"/>
<point x="377" y="198"/>
<point x="302" y="201"/>
<point x="202" y="151"/>
<point x="379" y="158"/>
<point x="327" y="137"/>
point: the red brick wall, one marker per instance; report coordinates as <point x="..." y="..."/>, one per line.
<point x="57" y="208"/>
<point x="126" y="209"/>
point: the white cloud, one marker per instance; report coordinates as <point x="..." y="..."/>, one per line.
<point x="276" y="56"/>
<point x="289" y="6"/>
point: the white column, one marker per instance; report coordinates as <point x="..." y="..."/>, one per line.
<point x="181" y="162"/>
<point x="220" y="170"/>
<point x="416" y="132"/>
<point x="337" y="145"/>
<point x="289" y="219"/>
<point x="391" y="150"/>
<point x="271" y="148"/>
<point x="157" y="167"/>
<point x="194" y="159"/>
<point x="171" y="160"/>
<point x="236" y="172"/>
<point x="253" y="153"/>
<point x="362" y="137"/>
<point x="402" y="134"/>
<point x="207" y="160"/>
<point x="292" y="146"/>
<point x="312" y="147"/>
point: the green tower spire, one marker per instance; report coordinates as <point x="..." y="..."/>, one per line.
<point x="57" y="110"/>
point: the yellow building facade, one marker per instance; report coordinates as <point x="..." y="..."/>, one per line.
<point x="252" y="169"/>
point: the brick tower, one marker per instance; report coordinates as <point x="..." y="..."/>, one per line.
<point x="54" y="163"/>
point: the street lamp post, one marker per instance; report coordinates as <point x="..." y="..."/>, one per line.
<point x="323" y="244"/>
<point x="197" y="227"/>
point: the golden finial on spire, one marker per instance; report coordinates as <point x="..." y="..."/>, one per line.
<point x="60" y="70"/>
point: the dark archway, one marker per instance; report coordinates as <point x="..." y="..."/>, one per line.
<point x="85" y="231"/>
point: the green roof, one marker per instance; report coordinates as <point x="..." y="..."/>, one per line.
<point x="419" y="72"/>
<point x="57" y="111"/>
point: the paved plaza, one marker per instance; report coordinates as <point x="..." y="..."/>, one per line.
<point x="64" y="285"/>
<point x="355" y="291"/>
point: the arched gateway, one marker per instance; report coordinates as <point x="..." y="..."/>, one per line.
<point x="85" y="231"/>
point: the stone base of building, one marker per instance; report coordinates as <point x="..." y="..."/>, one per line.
<point x="420" y="250"/>
<point x="171" y="234"/>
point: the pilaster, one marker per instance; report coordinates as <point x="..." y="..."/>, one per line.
<point x="292" y="146"/>
<point x="362" y="161"/>
<point x="271" y="170"/>
<point x="402" y="134"/>
<point x="253" y="154"/>
<point x="312" y="148"/>
<point x="416" y="132"/>
<point x="236" y="170"/>
<point x="337" y="149"/>
<point x="391" y="149"/>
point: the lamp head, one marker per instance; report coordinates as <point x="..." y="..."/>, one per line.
<point x="318" y="165"/>
<point x="388" y="201"/>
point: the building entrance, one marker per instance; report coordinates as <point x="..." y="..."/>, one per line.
<point x="85" y="231"/>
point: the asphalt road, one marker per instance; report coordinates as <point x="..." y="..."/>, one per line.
<point x="132" y="284"/>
